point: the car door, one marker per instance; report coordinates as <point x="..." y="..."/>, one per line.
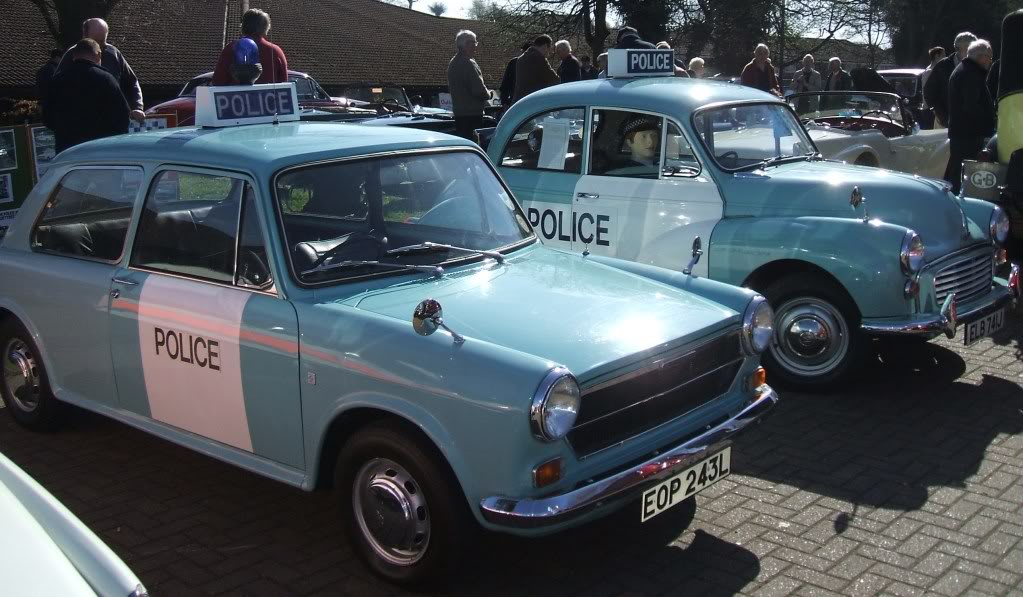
<point x="541" y="164"/>
<point x="923" y="152"/>
<point x="77" y="242"/>
<point x="645" y="208"/>
<point x="202" y="341"/>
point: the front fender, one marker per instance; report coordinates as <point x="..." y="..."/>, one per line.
<point x="862" y="256"/>
<point x="978" y="212"/>
<point x="853" y="154"/>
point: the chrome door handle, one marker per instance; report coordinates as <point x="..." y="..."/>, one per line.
<point x="115" y="293"/>
<point x="125" y="281"/>
<point x="587" y="195"/>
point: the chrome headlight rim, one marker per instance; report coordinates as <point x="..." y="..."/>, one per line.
<point x="910" y="264"/>
<point x="750" y="345"/>
<point x="998" y="226"/>
<point x="538" y="407"/>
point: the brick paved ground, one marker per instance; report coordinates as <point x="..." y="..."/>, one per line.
<point x="909" y="483"/>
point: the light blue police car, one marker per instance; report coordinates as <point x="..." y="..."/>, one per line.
<point x="271" y="295"/>
<point x="634" y="168"/>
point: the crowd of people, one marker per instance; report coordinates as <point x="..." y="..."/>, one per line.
<point x="90" y="91"/>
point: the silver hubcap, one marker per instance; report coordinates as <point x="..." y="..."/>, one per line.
<point x="811" y="337"/>
<point x="391" y="511"/>
<point x="21" y="375"/>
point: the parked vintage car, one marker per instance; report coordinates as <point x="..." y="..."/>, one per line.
<point x="270" y="295"/>
<point x="909" y="83"/>
<point x="47" y="550"/>
<point x="871" y="129"/>
<point x="311" y="97"/>
<point x="634" y="168"/>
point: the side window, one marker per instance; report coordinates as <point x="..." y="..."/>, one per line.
<point x="88" y="214"/>
<point x="626" y="144"/>
<point x="679" y="159"/>
<point x="253" y="269"/>
<point x="550" y="141"/>
<point x="189" y="225"/>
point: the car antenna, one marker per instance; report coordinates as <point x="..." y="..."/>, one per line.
<point x="273" y="79"/>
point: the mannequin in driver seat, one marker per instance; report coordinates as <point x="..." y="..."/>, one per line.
<point x="641" y="138"/>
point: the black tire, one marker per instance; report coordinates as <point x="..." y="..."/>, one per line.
<point x="24" y="386"/>
<point x="451" y="530"/>
<point x="823" y="306"/>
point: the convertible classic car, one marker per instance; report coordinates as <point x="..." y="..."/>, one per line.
<point x="871" y="129"/>
<point x="270" y="295"/>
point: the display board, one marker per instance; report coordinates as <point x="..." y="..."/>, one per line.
<point x="16" y="172"/>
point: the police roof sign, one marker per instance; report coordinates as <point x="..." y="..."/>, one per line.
<point x="245" y="104"/>
<point x="640" y="63"/>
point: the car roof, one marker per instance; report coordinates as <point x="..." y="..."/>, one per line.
<point x="259" y="148"/>
<point x="291" y="73"/>
<point x="659" y="94"/>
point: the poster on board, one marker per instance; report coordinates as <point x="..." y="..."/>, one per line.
<point x="6" y="219"/>
<point x="153" y="122"/>
<point x="6" y="189"/>
<point x="44" y="149"/>
<point x="8" y="150"/>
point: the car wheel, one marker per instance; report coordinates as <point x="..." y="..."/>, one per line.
<point x="816" y="332"/>
<point x="402" y="507"/>
<point x="24" y="386"/>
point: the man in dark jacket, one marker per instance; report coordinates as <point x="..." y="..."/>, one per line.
<point x="508" y="80"/>
<point x="570" y="68"/>
<point x="113" y="61"/>
<point x="936" y="87"/>
<point x="971" y="113"/>
<point x="532" y="71"/>
<point x="759" y="72"/>
<point x="629" y="39"/>
<point x="45" y="74"/>
<point x="84" y="101"/>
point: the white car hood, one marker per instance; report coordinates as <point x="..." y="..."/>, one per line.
<point x="47" y="550"/>
<point x="32" y="563"/>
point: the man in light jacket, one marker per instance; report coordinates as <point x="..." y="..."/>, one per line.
<point x="469" y="94"/>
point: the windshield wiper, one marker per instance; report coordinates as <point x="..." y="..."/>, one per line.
<point x="780" y="158"/>
<point x="436" y="270"/>
<point x="429" y="247"/>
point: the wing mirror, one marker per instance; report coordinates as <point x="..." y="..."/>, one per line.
<point x="429" y="316"/>
<point x="697" y="252"/>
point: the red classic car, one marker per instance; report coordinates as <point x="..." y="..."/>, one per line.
<point x="310" y="97"/>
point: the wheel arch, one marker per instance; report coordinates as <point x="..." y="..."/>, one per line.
<point x="781" y="268"/>
<point x="348" y="422"/>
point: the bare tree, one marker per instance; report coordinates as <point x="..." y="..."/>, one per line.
<point x="437" y="8"/>
<point x="64" y="17"/>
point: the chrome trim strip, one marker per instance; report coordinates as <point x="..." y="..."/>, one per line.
<point x="547" y="511"/>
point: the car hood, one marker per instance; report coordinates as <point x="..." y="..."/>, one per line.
<point x="824" y="188"/>
<point x="561" y="307"/>
<point x="183" y="107"/>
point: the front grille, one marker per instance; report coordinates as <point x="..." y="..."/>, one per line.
<point x="623" y="408"/>
<point x="968" y="278"/>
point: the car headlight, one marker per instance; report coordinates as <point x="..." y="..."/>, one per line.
<point x="911" y="257"/>
<point x="555" y="405"/>
<point x="999" y="226"/>
<point x="757" y="326"/>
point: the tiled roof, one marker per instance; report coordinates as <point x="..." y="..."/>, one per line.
<point x="336" y="41"/>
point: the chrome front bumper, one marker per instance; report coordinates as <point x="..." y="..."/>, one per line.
<point x="930" y="325"/>
<point x="557" y="509"/>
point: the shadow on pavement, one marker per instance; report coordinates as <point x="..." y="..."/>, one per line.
<point x="611" y="556"/>
<point x="909" y="425"/>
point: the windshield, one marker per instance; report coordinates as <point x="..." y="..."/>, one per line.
<point x="905" y="85"/>
<point x="189" y="89"/>
<point x="743" y="136"/>
<point x="359" y="210"/>
<point x="378" y="95"/>
<point x="814" y="106"/>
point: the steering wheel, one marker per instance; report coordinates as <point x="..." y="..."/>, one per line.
<point x="732" y="156"/>
<point x="390" y="105"/>
<point x="355" y="237"/>
<point x="881" y="112"/>
<point x="253" y="268"/>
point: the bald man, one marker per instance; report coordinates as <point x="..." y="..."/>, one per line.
<point x="113" y="62"/>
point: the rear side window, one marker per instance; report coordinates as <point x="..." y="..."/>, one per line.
<point x="189" y="225"/>
<point x="550" y="141"/>
<point x="89" y="213"/>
